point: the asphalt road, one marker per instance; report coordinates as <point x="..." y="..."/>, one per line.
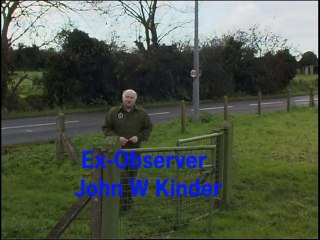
<point x="27" y="130"/>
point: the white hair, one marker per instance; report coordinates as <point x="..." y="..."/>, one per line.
<point x="130" y="91"/>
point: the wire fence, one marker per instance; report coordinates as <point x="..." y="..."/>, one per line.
<point x="157" y="213"/>
<point x="159" y="216"/>
<point x="217" y="139"/>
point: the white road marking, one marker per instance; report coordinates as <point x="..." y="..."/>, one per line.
<point x="305" y="100"/>
<point x="160" y="113"/>
<point x="37" y="125"/>
<point x="212" y="108"/>
<point x="203" y="109"/>
<point x="267" y="103"/>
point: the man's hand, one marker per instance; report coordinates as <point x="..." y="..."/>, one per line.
<point x="123" y="141"/>
<point x="134" y="139"/>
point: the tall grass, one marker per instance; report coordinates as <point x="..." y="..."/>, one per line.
<point x="274" y="179"/>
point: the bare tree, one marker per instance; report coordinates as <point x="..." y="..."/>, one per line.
<point x="19" y="18"/>
<point x="261" y="41"/>
<point x="144" y="12"/>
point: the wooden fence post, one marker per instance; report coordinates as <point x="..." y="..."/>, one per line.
<point x="96" y="203"/>
<point x="70" y="148"/>
<point x="183" y="117"/>
<point x="60" y="129"/>
<point x="288" y="100"/>
<point x="212" y="200"/>
<point x="110" y="205"/>
<point x="259" y="103"/>
<point x="225" y="108"/>
<point x="228" y="145"/>
<point x="220" y="143"/>
<point x="68" y="217"/>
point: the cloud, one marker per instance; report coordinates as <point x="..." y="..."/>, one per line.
<point x="295" y="20"/>
<point x="242" y="15"/>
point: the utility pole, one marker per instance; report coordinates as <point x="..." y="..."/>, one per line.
<point x="196" y="68"/>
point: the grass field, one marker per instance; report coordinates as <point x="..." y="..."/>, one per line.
<point x="301" y="84"/>
<point x="274" y="179"/>
<point x="28" y="86"/>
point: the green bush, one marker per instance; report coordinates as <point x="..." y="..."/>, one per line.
<point x="36" y="102"/>
<point x="15" y="102"/>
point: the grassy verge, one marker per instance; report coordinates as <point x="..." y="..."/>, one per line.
<point x="52" y="112"/>
<point x="274" y="183"/>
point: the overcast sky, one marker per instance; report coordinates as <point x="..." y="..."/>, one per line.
<point x="296" y="21"/>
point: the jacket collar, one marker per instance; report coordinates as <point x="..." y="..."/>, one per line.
<point x="135" y="108"/>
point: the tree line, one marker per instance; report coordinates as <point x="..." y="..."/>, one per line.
<point x="85" y="70"/>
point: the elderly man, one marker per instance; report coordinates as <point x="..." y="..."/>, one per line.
<point x="132" y="124"/>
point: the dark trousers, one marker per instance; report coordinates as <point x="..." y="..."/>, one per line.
<point x="126" y="200"/>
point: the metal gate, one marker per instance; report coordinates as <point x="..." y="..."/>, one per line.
<point x="162" y="216"/>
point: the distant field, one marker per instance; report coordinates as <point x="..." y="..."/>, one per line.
<point x="29" y="87"/>
<point x="301" y="83"/>
<point x="307" y="78"/>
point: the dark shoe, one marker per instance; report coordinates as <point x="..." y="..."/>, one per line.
<point x="123" y="208"/>
<point x="127" y="208"/>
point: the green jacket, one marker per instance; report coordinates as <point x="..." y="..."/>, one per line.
<point x="119" y="122"/>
